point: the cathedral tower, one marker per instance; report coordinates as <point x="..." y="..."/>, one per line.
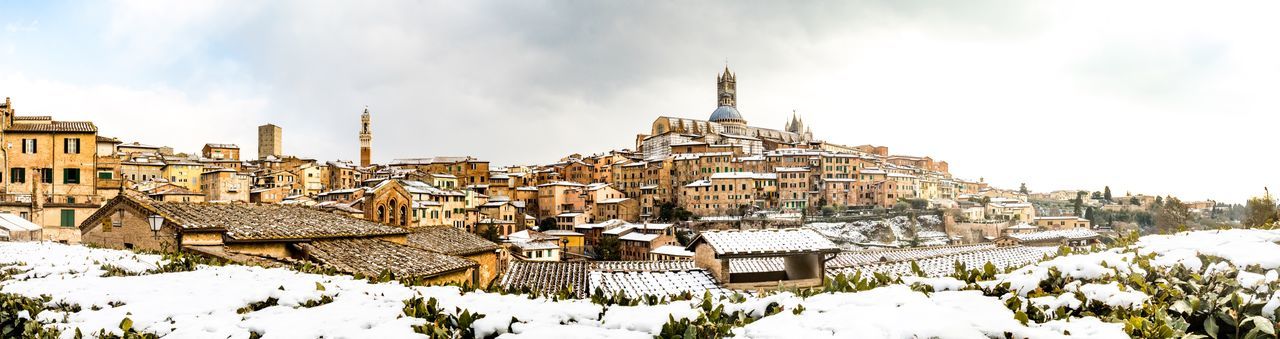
<point x="727" y="89"/>
<point x="366" y="139"/>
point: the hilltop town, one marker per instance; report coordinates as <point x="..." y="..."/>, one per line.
<point x="715" y="210"/>
<point x="683" y="177"/>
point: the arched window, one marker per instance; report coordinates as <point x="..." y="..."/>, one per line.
<point x="382" y="213"/>
<point x="404" y="221"/>
<point x="394" y="207"/>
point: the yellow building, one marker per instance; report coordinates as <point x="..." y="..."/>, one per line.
<point x="49" y="174"/>
<point x="183" y="172"/>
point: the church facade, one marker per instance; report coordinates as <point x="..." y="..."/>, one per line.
<point x="725" y="126"/>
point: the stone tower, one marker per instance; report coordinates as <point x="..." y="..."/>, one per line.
<point x="269" y="141"/>
<point x="727" y="89"/>
<point x="366" y="138"/>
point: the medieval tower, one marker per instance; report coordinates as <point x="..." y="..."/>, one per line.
<point x="366" y="139"/>
<point x="727" y="88"/>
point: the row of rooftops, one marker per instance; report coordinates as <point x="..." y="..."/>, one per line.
<point x="348" y="244"/>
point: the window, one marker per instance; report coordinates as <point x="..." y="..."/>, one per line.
<point x="17" y="175"/>
<point x="71" y="145"/>
<point x="105" y="175"/>
<point x="29" y="146"/>
<point x="68" y="218"/>
<point x="69" y="175"/>
<point x="46" y="175"/>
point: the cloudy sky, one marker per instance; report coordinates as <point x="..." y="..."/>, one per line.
<point x="1157" y="97"/>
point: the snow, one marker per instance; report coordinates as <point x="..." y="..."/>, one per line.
<point x="1241" y="247"/>
<point x="897" y="312"/>
<point x="1092" y="266"/>
<point x="1111" y="295"/>
<point x="893" y="231"/>
<point x="205" y="302"/>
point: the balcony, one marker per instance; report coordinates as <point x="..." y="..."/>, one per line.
<point x="66" y="200"/>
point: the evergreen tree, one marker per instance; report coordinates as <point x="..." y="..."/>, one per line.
<point x="610" y="248"/>
<point x="1106" y="193"/>
<point x="1024" y="189"/>
<point x="1172" y="215"/>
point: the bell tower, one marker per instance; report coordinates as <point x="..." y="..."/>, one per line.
<point x="366" y="139"/>
<point x="727" y="89"/>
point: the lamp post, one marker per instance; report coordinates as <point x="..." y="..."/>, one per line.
<point x="155" y="221"/>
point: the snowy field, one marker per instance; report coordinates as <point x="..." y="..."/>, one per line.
<point x="233" y="301"/>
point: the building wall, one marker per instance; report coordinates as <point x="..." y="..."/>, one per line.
<point x="225" y="186"/>
<point x="705" y="257"/>
<point x="269" y="141"/>
<point x="129" y="229"/>
<point x="186" y="175"/>
<point x="50" y="153"/>
<point x="488" y="269"/>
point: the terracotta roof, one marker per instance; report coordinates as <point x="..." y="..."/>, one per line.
<point x="553" y="276"/>
<point x="55" y="126"/>
<point x="449" y="240"/>
<point x="373" y="257"/>
<point x="173" y="190"/>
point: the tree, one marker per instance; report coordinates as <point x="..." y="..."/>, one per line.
<point x="547" y="224"/>
<point x="918" y="203"/>
<point x="610" y="249"/>
<point x="1260" y="211"/>
<point x="1172" y="215"/>
<point x="1134" y="201"/>
<point x="1078" y="203"/>
<point x="1024" y="189"/>
<point x="490" y="233"/>
<point x="1106" y="193"/>
<point x="682" y="237"/>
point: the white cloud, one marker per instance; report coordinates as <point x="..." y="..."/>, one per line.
<point x="153" y="115"/>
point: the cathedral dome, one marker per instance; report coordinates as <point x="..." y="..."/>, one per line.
<point x="726" y="113"/>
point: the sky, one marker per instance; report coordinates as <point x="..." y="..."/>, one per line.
<point x="1154" y="97"/>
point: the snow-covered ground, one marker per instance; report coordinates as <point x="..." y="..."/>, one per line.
<point x="232" y="301"/>
<point x="893" y="231"/>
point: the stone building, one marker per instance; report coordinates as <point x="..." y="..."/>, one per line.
<point x="468" y="170"/>
<point x="270" y="142"/>
<point x="225" y="185"/>
<point x="221" y="152"/>
<point x="50" y="172"/>
<point x="726" y="126"/>
<point x="749" y="260"/>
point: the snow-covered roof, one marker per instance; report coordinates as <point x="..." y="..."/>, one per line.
<point x="11" y="222"/>
<point x="764" y="242"/>
<point x="637" y="236"/>
<point x="655" y="283"/>
<point x="561" y="233"/>
<point x="744" y="175"/>
<point x="1023" y="226"/>
<point x="620" y="229"/>
<point x="672" y="250"/>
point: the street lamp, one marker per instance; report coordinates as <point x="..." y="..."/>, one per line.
<point x="155" y="221"/>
